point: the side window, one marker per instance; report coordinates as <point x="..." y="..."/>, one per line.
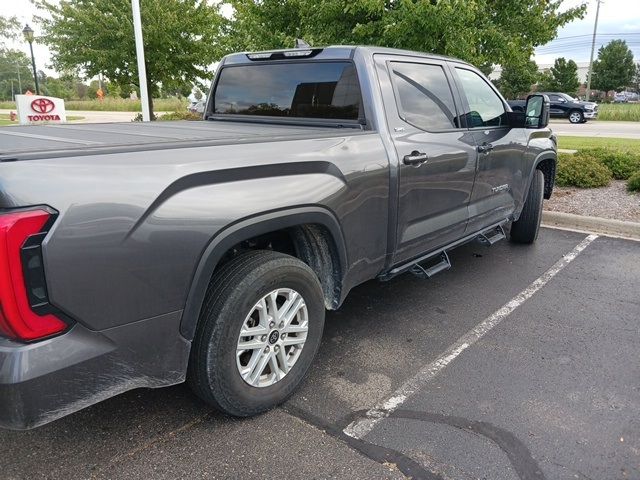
<point x="554" y="98"/>
<point x="485" y="107"/>
<point x="423" y="95"/>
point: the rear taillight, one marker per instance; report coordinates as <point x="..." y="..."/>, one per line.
<point x="24" y="306"/>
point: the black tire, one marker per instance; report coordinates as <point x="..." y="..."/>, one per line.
<point x="234" y="290"/>
<point x="526" y="228"/>
<point x="576" y="116"/>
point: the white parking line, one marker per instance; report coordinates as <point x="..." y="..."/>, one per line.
<point x="359" y="428"/>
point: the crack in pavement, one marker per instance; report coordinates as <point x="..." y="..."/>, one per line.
<point x="523" y="463"/>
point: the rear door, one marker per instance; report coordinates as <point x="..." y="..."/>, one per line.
<point x="437" y="156"/>
<point x="500" y="169"/>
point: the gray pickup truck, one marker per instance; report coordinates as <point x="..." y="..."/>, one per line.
<point x="143" y="255"/>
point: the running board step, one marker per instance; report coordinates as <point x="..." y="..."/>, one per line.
<point x="428" y="272"/>
<point x="490" y="237"/>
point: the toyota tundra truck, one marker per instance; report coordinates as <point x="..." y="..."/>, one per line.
<point x="150" y="254"/>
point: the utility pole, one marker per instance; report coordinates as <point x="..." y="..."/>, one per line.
<point x="142" y="71"/>
<point x="593" y="47"/>
<point x="19" y="81"/>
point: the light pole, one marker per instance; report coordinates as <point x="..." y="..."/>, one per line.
<point x="27" y="31"/>
<point x="593" y="47"/>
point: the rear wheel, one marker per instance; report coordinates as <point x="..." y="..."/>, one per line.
<point x="525" y="229"/>
<point x="576" y="116"/>
<point x="259" y="330"/>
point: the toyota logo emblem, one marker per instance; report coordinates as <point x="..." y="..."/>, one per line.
<point x="42" y="105"/>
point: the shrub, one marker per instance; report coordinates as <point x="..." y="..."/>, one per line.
<point x="580" y="170"/>
<point x="622" y="163"/>
<point x="182" y="115"/>
<point x="633" y="184"/>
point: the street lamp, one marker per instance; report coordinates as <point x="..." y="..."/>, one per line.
<point x="27" y="31"/>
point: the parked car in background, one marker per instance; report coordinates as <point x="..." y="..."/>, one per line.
<point x="197" y="106"/>
<point x="625" y="97"/>
<point x="620" y="97"/>
<point x="564" y="106"/>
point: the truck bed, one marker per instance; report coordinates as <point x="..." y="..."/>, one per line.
<point x="47" y="141"/>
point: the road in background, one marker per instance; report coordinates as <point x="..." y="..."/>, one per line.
<point x="596" y="128"/>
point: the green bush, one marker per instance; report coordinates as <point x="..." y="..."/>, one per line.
<point x="580" y="170"/>
<point x="622" y="163"/>
<point x="182" y="115"/>
<point x="633" y="184"/>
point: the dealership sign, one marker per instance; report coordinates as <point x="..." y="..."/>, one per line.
<point x="38" y="109"/>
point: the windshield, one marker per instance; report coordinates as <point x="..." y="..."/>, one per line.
<point x="327" y="90"/>
<point x="569" y="98"/>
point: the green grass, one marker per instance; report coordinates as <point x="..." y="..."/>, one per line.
<point x="576" y="143"/>
<point x="623" y="112"/>
<point x="117" y="105"/>
<point x="4" y="119"/>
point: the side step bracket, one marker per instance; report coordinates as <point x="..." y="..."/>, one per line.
<point x="490" y="237"/>
<point x="428" y="272"/>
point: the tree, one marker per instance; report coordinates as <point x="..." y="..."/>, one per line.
<point x="97" y="37"/>
<point x="516" y="80"/>
<point x="483" y="32"/>
<point x="15" y="73"/>
<point x="635" y="81"/>
<point x="9" y="29"/>
<point x="565" y="75"/>
<point x="614" y="69"/>
<point x="547" y="82"/>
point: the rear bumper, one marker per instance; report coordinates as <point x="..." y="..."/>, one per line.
<point x="43" y="381"/>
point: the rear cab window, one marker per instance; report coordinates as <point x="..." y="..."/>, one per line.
<point x="423" y="95"/>
<point x="311" y="90"/>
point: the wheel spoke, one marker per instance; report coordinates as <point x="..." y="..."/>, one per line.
<point x="295" y="329"/>
<point x="252" y="344"/>
<point x="283" y="361"/>
<point x="254" y="375"/>
<point x="292" y="311"/>
<point x="253" y="331"/>
<point x="293" y="341"/>
<point x="275" y="368"/>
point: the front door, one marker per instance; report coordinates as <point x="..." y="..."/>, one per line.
<point x="437" y="156"/>
<point x="500" y="176"/>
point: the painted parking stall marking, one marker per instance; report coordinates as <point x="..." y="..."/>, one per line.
<point x="361" y="427"/>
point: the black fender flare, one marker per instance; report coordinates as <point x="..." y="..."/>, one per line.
<point x="244" y="229"/>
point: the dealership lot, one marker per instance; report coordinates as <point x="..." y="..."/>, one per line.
<point x="551" y="391"/>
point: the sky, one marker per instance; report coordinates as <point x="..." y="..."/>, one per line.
<point x="618" y="19"/>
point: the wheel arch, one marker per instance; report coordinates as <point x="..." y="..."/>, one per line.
<point x="546" y="163"/>
<point x="316" y="236"/>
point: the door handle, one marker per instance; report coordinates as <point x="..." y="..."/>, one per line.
<point x="485" y="148"/>
<point x="415" y="158"/>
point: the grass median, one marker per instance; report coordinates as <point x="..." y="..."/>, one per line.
<point x="577" y="143"/>
<point x="110" y="104"/>
<point x="619" y="112"/>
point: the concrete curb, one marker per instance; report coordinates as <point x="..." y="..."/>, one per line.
<point x="605" y="226"/>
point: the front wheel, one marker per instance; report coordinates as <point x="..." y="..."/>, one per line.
<point x="526" y="228"/>
<point x="576" y="116"/>
<point x="258" y="332"/>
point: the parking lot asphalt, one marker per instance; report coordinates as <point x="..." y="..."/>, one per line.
<point x="550" y="392"/>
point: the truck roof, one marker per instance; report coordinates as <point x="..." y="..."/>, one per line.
<point x="337" y="52"/>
